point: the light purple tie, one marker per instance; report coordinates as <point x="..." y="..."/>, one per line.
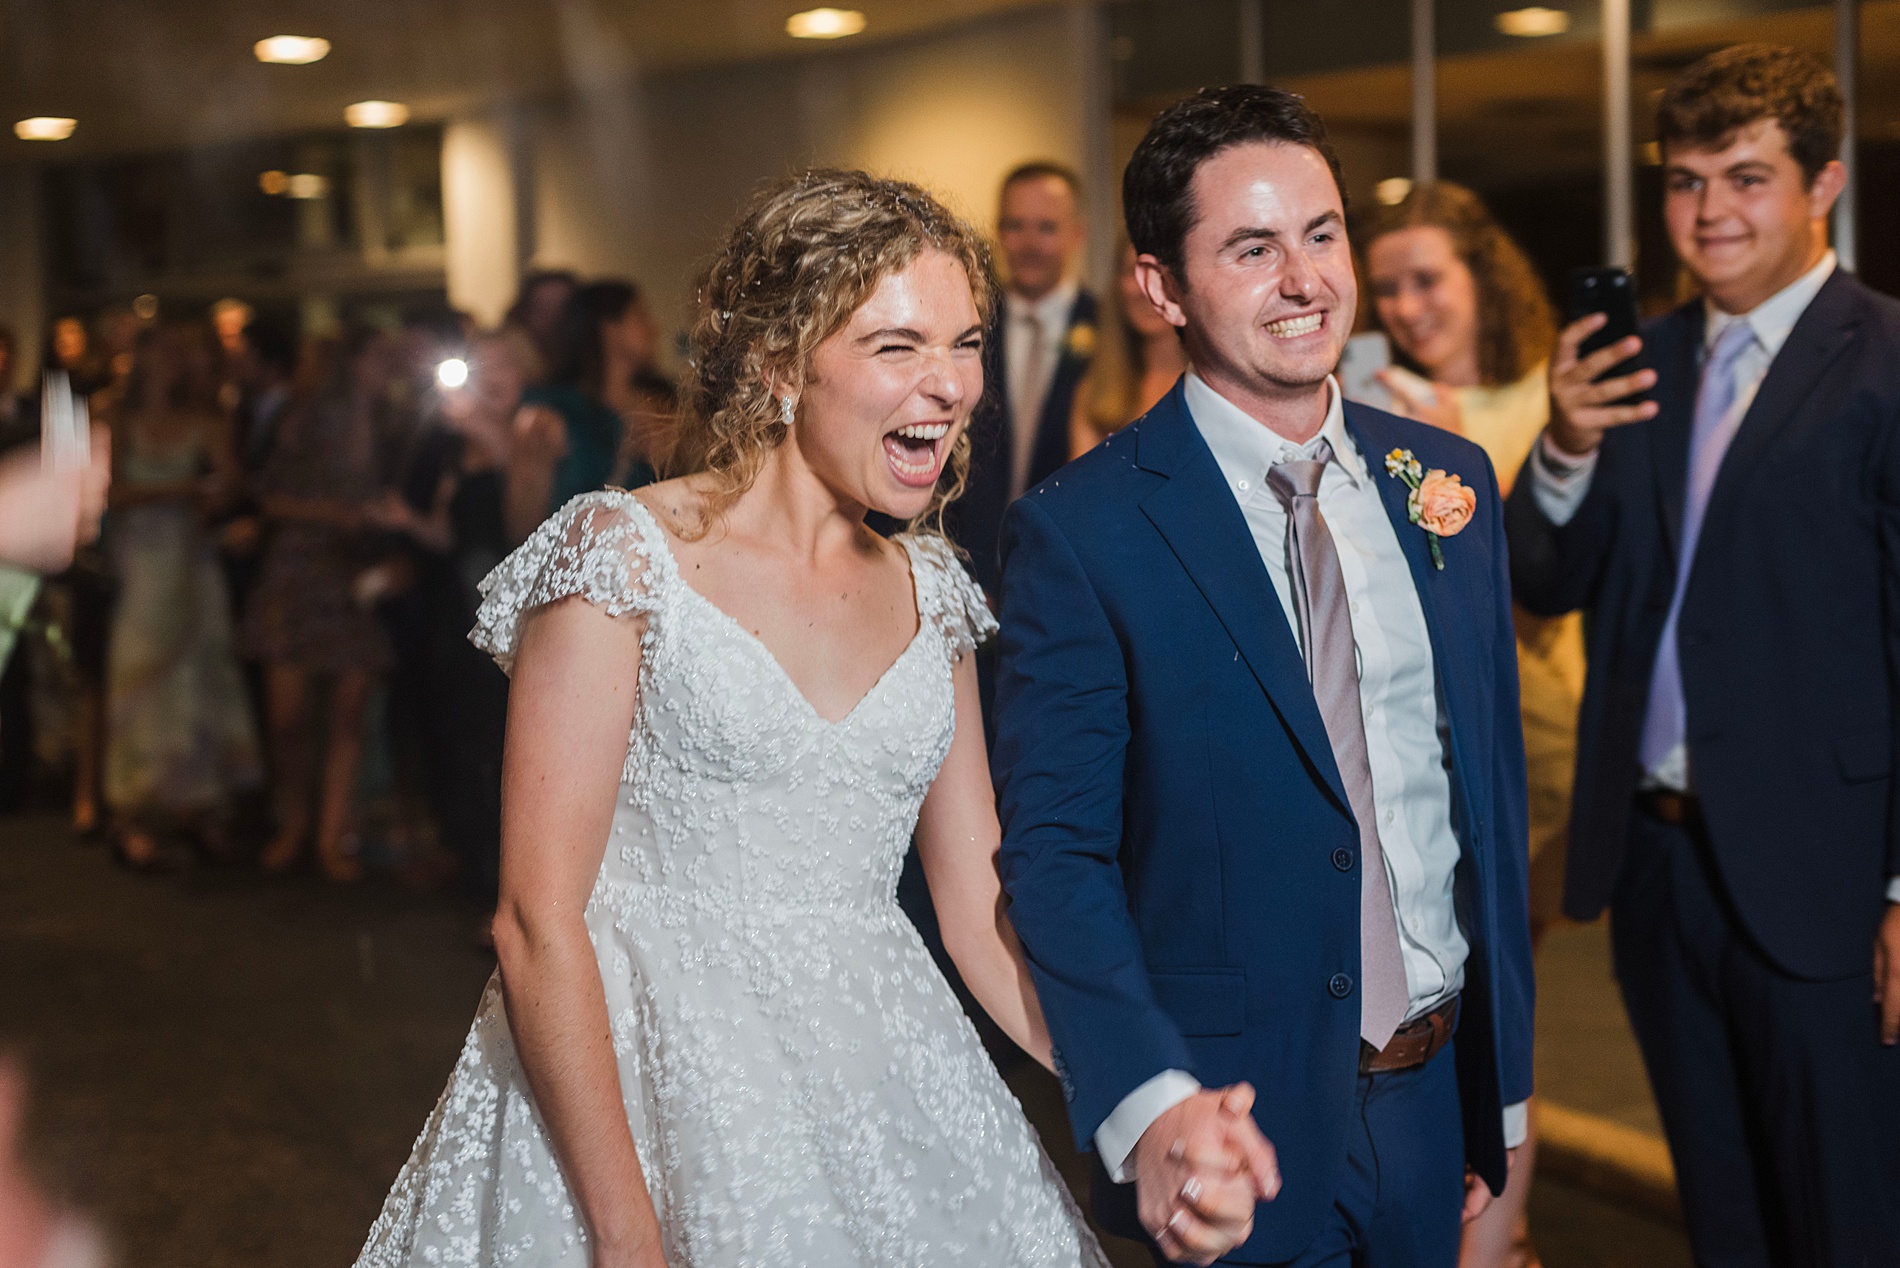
<point x="1332" y="662"/>
<point x="1666" y="721"/>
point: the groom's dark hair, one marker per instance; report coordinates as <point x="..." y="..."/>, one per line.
<point x="1157" y="197"/>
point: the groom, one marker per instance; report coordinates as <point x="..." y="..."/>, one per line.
<point x="1258" y="750"/>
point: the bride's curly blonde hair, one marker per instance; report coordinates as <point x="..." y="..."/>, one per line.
<point x="805" y="254"/>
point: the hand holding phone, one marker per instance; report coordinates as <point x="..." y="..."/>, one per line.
<point x="1597" y="378"/>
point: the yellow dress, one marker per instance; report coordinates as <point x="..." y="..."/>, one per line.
<point x="1505" y="422"/>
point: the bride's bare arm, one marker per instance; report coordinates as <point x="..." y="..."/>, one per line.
<point x="957" y="838"/>
<point x="570" y="709"/>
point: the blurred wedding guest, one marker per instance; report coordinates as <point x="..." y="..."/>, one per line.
<point x="1472" y="332"/>
<point x="1731" y="538"/>
<point x="1138" y="356"/>
<point x="462" y="534"/>
<point x="1037" y="347"/>
<point x="35" y="1231"/>
<point x="69" y="348"/>
<point x="305" y="620"/>
<point x="537" y="310"/>
<point x="230" y="318"/>
<point x="180" y="744"/>
<point x="17" y="422"/>
<point x="570" y="430"/>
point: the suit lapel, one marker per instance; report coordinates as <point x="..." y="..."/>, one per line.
<point x="1823" y="333"/>
<point x="1202" y="524"/>
<point x="1444" y="595"/>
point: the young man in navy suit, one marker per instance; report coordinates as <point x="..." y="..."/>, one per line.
<point x="1736" y="541"/>
<point x="1259" y="757"/>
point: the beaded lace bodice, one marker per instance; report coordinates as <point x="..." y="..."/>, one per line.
<point x="801" y="1083"/>
<point x="724" y="743"/>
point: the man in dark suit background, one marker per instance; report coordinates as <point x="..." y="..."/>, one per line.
<point x="1737" y="543"/>
<point x="1037" y="348"/>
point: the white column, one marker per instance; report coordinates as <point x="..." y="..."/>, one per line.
<point x="480" y="215"/>
<point x="1619" y="220"/>
<point x="1424" y="94"/>
<point x="1847" y="71"/>
<point x="1102" y="192"/>
<point x="1253" y="42"/>
<point x="22" y="277"/>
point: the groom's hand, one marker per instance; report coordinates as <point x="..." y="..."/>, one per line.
<point x="1199" y="1169"/>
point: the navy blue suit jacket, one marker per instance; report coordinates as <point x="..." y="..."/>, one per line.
<point x="1789" y="634"/>
<point x="975" y="520"/>
<point x="1180" y="857"/>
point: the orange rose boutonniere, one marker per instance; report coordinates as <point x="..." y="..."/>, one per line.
<point x="1081" y="341"/>
<point x="1440" y="504"/>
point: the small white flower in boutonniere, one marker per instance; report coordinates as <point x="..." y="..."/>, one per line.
<point x="1081" y="341"/>
<point x="1440" y="504"/>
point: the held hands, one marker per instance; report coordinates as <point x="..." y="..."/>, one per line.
<point x="1887" y="975"/>
<point x="1199" y="1169"/>
<point x="1581" y="410"/>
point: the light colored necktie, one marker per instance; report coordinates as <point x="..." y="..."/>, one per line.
<point x="1319" y="596"/>
<point x="1025" y="399"/>
<point x="1666" y="720"/>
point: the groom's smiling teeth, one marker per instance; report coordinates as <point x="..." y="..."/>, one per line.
<point x="1294" y="327"/>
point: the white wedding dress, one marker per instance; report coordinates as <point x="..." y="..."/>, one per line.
<point x="802" y="1085"/>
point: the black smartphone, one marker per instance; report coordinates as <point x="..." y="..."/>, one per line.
<point x="1611" y="292"/>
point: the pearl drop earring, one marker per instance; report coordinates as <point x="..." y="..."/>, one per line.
<point x="787" y="409"/>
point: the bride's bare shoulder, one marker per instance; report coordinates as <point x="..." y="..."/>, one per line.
<point x="678" y="504"/>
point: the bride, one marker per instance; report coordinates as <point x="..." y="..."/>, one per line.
<point x="713" y="1038"/>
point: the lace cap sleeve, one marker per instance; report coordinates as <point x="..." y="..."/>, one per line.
<point x="598" y="546"/>
<point x="948" y="595"/>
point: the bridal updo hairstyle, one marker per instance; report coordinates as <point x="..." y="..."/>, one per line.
<point x="805" y="255"/>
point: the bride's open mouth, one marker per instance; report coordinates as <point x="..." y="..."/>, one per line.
<point x="915" y="452"/>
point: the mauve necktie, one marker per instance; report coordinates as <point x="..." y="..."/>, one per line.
<point x="1666" y="721"/>
<point x="1332" y="662"/>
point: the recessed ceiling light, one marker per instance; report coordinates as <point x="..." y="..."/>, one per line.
<point x="291" y="50"/>
<point x="307" y="185"/>
<point x="824" y="24"/>
<point x="44" y="128"/>
<point x="376" y="114"/>
<point x="1535" y="20"/>
<point x="1392" y="190"/>
<point x="274" y="182"/>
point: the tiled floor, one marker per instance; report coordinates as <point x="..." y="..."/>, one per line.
<point x="229" y="1070"/>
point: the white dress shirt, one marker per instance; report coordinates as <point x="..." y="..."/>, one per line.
<point x="1560" y="481"/>
<point x="1033" y="332"/>
<point x="1406" y="736"/>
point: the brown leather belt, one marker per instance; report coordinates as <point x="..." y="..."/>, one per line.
<point x="1412" y="1044"/>
<point x="1678" y="810"/>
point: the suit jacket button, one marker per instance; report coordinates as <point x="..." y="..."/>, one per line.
<point x="1342" y="859"/>
<point x="1340" y="986"/>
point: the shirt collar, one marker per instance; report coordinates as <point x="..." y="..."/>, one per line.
<point x="1245" y="448"/>
<point x="1052" y="310"/>
<point x="1773" y="319"/>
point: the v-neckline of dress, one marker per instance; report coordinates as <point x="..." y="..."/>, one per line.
<point x="672" y="567"/>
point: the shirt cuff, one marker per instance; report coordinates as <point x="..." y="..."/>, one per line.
<point x="1893" y="890"/>
<point x="1517" y="1124"/>
<point x="1559" y="481"/>
<point x="1121" y="1131"/>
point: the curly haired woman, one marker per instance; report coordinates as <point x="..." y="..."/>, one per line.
<point x="713" y="1038"/>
